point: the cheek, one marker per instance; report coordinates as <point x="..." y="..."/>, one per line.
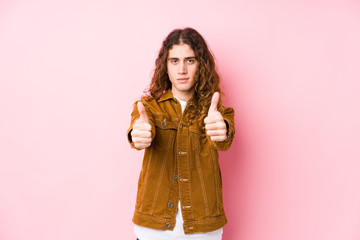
<point x="170" y="72"/>
<point x="193" y="72"/>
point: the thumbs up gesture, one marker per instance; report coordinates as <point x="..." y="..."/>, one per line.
<point x="141" y="132"/>
<point x="214" y="122"/>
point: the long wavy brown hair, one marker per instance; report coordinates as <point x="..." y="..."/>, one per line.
<point x="207" y="80"/>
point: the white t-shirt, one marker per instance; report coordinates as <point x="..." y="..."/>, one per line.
<point x="144" y="233"/>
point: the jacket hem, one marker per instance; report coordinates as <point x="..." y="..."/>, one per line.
<point x="190" y="226"/>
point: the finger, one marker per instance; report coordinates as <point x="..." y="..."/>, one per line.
<point x="215" y="126"/>
<point x="141" y="126"/>
<point x="142" y="145"/>
<point x="213" y="133"/>
<point x="214" y="102"/>
<point x="140" y="134"/>
<point x="140" y="140"/>
<point x="213" y="118"/>
<point x="218" y="138"/>
<point x="142" y="112"/>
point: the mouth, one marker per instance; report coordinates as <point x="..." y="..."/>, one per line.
<point x="182" y="79"/>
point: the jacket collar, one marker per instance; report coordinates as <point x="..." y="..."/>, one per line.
<point x="167" y="95"/>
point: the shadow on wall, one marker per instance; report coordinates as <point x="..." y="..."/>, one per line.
<point x="233" y="169"/>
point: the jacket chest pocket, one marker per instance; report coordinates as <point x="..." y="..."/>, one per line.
<point x="200" y="142"/>
<point x="165" y="132"/>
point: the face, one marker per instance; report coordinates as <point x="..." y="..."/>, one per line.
<point x="181" y="68"/>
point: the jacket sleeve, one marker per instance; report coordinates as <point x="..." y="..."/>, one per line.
<point x="228" y="115"/>
<point x="134" y="116"/>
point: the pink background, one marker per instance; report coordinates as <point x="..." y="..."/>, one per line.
<point x="71" y="70"/>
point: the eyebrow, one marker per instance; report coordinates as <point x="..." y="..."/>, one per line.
<point x="187" y="58"/>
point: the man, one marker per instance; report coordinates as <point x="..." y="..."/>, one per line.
<point x="181" y="123"/>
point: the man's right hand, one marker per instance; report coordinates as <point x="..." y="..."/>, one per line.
<point x="141" y="132"/>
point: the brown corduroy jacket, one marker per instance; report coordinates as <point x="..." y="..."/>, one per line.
<point x="181" y="164"/>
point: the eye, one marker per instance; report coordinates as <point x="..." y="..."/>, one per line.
<point x="173" y="61"/>
<point x="191" y="61"/>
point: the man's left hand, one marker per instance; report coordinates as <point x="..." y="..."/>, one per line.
<point x="214" y="122"/>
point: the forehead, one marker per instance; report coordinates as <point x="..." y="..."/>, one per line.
<point x="181" y="51"/>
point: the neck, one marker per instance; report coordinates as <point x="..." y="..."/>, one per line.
<point x="183" y="96"/>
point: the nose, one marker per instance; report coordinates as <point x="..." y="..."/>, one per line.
<point x="182" y="68"/>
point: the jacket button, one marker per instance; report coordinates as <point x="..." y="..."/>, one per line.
<point x="163" y="123"/>
<point x="175" y="176"/>
<point x="171" y="204"/>
<point x="167" y="225"/>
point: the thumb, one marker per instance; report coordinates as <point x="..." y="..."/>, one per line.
<point x="142" y="112"/>
<point x="214" y="102"/>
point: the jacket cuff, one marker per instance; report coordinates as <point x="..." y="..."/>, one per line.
<point x="225" y="145"/>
